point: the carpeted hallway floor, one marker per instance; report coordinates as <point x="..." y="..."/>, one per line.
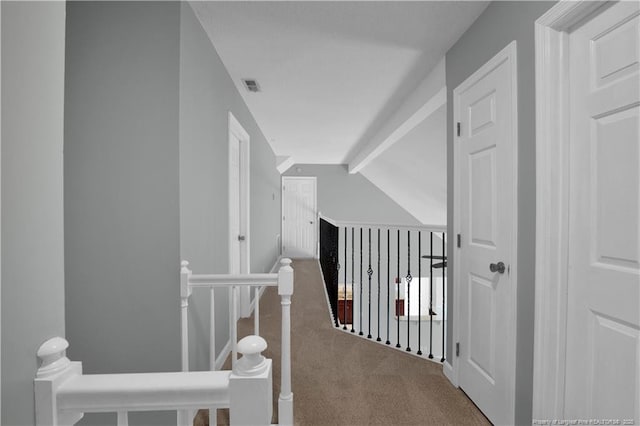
<point x="340" y="379"/>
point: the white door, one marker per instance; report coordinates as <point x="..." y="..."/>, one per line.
<point x="239" y="207"/>
<point x="603" y="319"/>
<point x="299" y="227"/>
<point x="234" y="205"/>
<point x="486" y="175"/>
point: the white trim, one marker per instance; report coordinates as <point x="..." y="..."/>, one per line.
<point x="326" y="296"/>
<point x="343" y="223"/>
<point x="447" y="370"/>
<point x="262" y="289"/>
<point x="224" y="354"/>
<point x="236" y="130"/>
<point x="552" y="188"/>
<point x="509" y="53"/>
<point x="428" y="108"/>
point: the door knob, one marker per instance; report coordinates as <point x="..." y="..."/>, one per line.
<point x="311" y="222"/>
<point x="240" y="237"/>
<point x="499" y="267"/>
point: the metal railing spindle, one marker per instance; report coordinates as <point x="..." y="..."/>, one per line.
<point x="419" y="293"/>
<point x="444" y="265"/>
<point x="378" y="339"/>
<point x="361" y="284"/>
<point x="409" y="278"/>
<point x="369" y="273"/>
<point x="398" y="294"/>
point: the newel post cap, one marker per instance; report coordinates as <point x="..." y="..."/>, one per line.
<point x="252" y="362"/>
<point x="52" y="354"/>
<point x="285" y="277"/>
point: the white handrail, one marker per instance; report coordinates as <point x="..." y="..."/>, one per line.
<point x="63" y="393"/>
<point x="402" y="227"/>
<point x="226" y="280"/>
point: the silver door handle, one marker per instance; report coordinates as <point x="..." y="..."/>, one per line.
<point x="499" y="267"/>
<point x="240" y="237"/>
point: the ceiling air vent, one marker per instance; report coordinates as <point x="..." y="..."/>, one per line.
<point x="251" y="85"/>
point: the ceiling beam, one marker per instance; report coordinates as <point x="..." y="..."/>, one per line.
<point x="430" y="95"/>
<point x="418" y="117"/>
<point x="283" y="163"/>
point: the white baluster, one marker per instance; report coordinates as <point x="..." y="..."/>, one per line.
<point x="185" y="292"/>
<point x="213" y="420"/>
<point x="250" y="385"/>
<point x="212" y="332"/>
<point x="55" y="369"/>
<point x="184" y="416"/>
<point x="256" y="312"/>
<point x="233" y="325"/>
<point x="123" y="418"/>
<point x="285" y="290"/>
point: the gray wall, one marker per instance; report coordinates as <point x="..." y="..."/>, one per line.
<point x="498" y="25"/>
<point x="207" y="93"/>
<point x="121" y="188"/>
<point x="351" y="197"/>
<point x="32" y="215"/>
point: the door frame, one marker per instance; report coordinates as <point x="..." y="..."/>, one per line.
<point x="552" y="203"/>
<point x="236" y="131"/>
<point x="508" y="53"/>
<point x="315" y="211"/>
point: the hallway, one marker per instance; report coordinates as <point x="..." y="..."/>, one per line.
<point x="345" y="380"/>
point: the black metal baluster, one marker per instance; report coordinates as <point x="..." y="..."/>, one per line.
<point x="431" y="295"/>
<point x="409" y="278"/>
<point x="361" y="284"/>
<point x="388" y="342"/>
<point x="398" y="294"/>
<point x="378" y="339"/>
<point x="344" y="325"/>
<point x="353" y="276"/>
<point x="369" y="273"/>
<point x="444" y="267"/>
<point x="419" y="292"/>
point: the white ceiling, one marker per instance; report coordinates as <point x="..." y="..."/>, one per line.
<point x="331" y="73"/>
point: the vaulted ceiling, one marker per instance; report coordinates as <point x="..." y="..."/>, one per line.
<point x="331" y="73"/>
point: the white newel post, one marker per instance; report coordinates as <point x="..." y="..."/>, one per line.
<point x="250" y="385"/>
<point x="285" y="290"/>
<point x="55" y="369"/>
<point x="184" y="416"/>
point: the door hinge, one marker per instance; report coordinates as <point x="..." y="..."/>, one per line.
<point x="457" y="348"/>
<point x="284" y="187"/>
<point x="459" y="241"/>
<point x="458" y="127"/>
<point x="282" y="217"/>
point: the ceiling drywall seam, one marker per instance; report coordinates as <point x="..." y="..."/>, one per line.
<point x="427" y="98"/>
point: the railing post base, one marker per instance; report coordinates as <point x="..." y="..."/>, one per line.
<point x="54" y="370"/>
<point x="250" y="385"/>
<point x="285" y="410"/>
<point x="251" y="398"/>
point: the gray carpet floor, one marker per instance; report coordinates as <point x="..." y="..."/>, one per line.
<point x="341" y="379"/>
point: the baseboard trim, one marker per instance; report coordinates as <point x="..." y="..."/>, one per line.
<point x="226" y="350"/>
<point x="273" y="270"/>
<point x="326" y="295"/>
<point x="276" y="265"/>
<point x="447" y="369"/>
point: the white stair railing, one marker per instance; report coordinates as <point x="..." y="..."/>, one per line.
<point x="63" y="393"/>
<point x="283" y="280"/>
